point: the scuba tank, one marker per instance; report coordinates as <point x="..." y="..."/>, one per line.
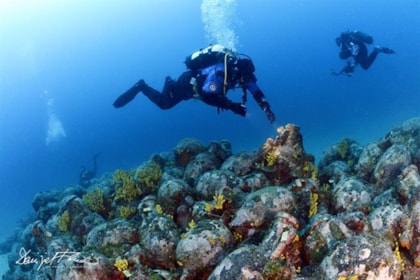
<point x="208" y="56"/>
<point x="360" y="36"/>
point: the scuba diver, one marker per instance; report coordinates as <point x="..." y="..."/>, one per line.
<point x="354" y="50"/>
<point x="86" y="175"/>
<point x="212" y="72"/>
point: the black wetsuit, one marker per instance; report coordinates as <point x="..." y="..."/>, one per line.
<point x="354" y="50"/>
<point x="209" y="84"/>
<point x="172" y="93"/>
<point x="353" y="44"/>
<point x="206" y="85"/>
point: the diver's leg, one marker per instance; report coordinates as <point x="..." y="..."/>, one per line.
<point x="183" y="88"/>
<point x="364" y="59"/>
<point x="165" y="100"/>
<point x="173" y="91"/>
<point x="368" y="60"/>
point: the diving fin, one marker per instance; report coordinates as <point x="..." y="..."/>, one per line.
<point x="129" y="95"/>
<point x="388" y="51"/>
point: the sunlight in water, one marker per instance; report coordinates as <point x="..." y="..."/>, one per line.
<point x="218" y="17"/>
<point x="55" y="129"/>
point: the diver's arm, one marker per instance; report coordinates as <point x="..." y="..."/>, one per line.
<point x="348" y="69"/>
<point x="261" y="100"/>
<point x="223" y="103"/>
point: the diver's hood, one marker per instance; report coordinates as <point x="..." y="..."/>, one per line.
<point x="245" y="66"/>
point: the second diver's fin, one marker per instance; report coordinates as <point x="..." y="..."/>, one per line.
<point x="388" y="51"/>
<point x="385" y="50"/>
<point x="129" y="95"/>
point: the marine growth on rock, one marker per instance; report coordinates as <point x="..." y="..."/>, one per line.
<point x="205" y="212"/>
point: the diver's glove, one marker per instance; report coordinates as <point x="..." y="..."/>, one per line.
<point x="238" y="108"/>
<point x="270" y="115"/>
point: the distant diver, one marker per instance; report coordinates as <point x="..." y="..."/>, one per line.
<point x="354" y="50"/>
<point x="86" y="175"/>
<point x="212" y="72"/>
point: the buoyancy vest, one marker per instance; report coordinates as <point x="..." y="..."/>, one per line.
<point x="209" y="56"/>
<point x="213" y="81"/>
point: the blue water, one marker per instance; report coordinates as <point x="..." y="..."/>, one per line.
<point x="64" y="62"/>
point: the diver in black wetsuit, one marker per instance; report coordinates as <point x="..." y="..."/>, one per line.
<point x="354" y="50"/>
<point x="208" y="82"/>
<point x="86" y="175"/>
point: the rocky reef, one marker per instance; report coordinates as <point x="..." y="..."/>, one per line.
<point x="203" y="212"/>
